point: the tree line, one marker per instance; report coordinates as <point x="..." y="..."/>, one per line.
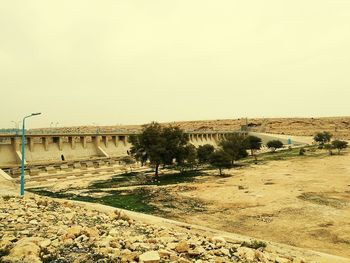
<point x="169" y="145"/>
<point x="324" y="140"/>
<point x="162" y="146"/>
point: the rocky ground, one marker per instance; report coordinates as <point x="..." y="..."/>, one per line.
<point x="39" y="229"/>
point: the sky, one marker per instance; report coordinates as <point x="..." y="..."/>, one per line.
<point x="84" y="62"/>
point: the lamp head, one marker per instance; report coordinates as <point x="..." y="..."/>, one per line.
<point x="35" y="113"/>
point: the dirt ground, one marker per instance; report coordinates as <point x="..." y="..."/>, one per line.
<point x="300" y="202"/>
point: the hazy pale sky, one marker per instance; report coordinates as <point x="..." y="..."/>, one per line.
<point x="133" y="61"/>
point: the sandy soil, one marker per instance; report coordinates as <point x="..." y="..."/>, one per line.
<point x="304" y="203"/>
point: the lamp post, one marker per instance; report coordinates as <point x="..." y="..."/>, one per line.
<point x="23" y="144"/>
<point x="16" y="126"/>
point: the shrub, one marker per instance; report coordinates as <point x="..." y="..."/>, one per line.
<point x="322" y="137"/>
<point x="204" y="152"/>
<point x="220" y="159"/>
<point x="339" y="145"/>
<point x="274" y="144"/>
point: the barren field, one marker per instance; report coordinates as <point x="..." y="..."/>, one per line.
<point x="301" y="201"/>
<point x="304" y="203"/>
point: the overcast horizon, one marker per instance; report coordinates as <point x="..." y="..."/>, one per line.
<point x="131" y="62"/>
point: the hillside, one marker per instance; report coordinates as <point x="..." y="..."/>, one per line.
<point x="339" y="126"/>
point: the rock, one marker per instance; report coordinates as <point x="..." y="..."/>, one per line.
<point x="282" y="260"/>
<point x="33" y="222"/>
<point x="196" y="251"/>
<point x="261" y="256"/>
<point x="218" y="239"/>
<point x="114" y="232"/>
<point x="81" y="238"/>
<point x="182" y="247"/>
<point x="91" y="232"/>
<point x="150" y="257"/>
<point x="25" y="250"/>
<point x="224" y="251"/>
<point x="164" y="253"/>
<point x="70" y="216"/>
<point x="128" y="256"/>
<point x="74" y="231"/>
<point x="245" y="253"/>
<point x="183" y="260"/>
<point x="45" y="243"/>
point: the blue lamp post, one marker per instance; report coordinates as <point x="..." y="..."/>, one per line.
<point x="23" y="144"/>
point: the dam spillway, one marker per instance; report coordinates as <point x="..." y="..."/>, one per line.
<point x="50" y="148"/>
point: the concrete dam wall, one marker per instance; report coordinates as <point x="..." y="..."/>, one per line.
<point x="52" y="148"/>
<point x="43" y="148"/>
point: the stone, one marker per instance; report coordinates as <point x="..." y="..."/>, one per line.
<point x="183" y="260"/>
<point x="114" y="232"/>
<point x="74" y="231"/>
<point x="45" y="243"/>
<point x="261" y="256"/>
<point x="182" y="247"/>
<point x="91" y="232"/>
<point x="245" y="253"/>
<point x="25" y="250"/>
<point x="150" y="257"/>
<point x="196" y="251"/>
<point x="33" y="222"/>
<point x="282" y="260"/>
<point x="163" y="253"/>
<point x="218" y="239"/>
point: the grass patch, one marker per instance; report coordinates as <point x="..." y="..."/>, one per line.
<point x="146" y="178"/>
<point x="310" y="151"/>
<point x="115" y="181"/>
<point x="136" y="200"/>
<point x="176" y="178"/>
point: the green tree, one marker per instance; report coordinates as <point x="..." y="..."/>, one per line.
<point x="253" y="143"/>
<point x="175" y="141"/>
<point x="339" y="145"/>
<point x="204" y="152"/>
<point x="322" y="138"/>
<point x="274" y="144"/>
<point x="187" y="157"/>
<point x="136" y="150"/>
<point x="158" y="145"/>
<point x="234" y="146"/>
<point x="221" y="160"/>
<point x="329" y="147"/>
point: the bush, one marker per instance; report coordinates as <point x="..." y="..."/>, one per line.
<point x="220" y="159"/>
<point x="339" y="145"/>
<point x="322" y="137"/>
<point x="204" y="152"/>
<point x="274" y="144"/>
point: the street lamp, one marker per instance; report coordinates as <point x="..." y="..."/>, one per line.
<point x="16" y="126"/>
<point x="22" y="161"/>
